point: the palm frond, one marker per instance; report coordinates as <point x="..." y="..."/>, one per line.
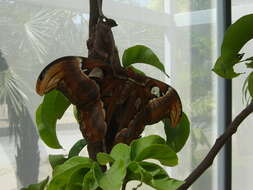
<point x="12" y="96"/>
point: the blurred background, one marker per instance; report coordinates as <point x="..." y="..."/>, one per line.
<point x="183" y="33"/>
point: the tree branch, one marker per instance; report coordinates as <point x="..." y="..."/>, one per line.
<point x="220" y="142"/>
<point x="94" y="14"/>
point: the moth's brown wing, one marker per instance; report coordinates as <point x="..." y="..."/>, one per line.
<point x="93" y="127"/>
<point x="65" y="74"/>
<point x="92" y="121"/>
<point x="168" y="105"/>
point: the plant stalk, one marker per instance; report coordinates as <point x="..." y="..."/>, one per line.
<point x="124" y="185"/>
<point x="94" y="15"/>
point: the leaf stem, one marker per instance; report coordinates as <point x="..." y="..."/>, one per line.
<point x="124" y="185"/>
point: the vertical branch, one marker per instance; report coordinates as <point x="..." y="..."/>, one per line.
<point x="94" y="14"/>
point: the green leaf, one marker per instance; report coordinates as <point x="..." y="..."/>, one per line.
<point x="137" y="146"/>
<point x="120" y="157"/>
<point x="177" y="136"/>
<point x="97" y="172"/>
<point x="250" y="84"/>
<point x="56" y="160"/>
<point x="72" y="163"/>
<point x="152" y="175"/>
<point x="145" y="171"/>
<point x="39" y="186"/>
<point x="236" y="36"/>
<point x="153" y="147"/>
<point x="250" y="65"/>
<point x="77" y="147"/>
<point x="76" y="180"/>
<point x="247" y="88"/>
<point x="121" y="152"/>
<point x="63" y="173"/>
<point x="141" y="54"/>
<point x="137" y="70"/>
<point x="89" y="181"/>
<point x="245" y="91"/>
<point x="161" y="152"/>
<point x="154" y="170"/>
<point x="136" y="172"/>
<point x="223" y="70"/>
<point x="166" y="184"/>
<point x="104" y="158"/>
<point x="59" y="159"/>
<point x="52" y="108"/>
<point x="113" y="178"/>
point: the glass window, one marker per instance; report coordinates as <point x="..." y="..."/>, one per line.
<point x="156" y="5"/>
<point x="193" y="5"/>
<point x="242" y="153"/>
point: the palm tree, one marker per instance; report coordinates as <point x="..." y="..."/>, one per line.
<point x="21" y="125"/>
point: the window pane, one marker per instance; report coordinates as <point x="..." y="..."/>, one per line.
<point x="242" y="152"/>
<point x="156" y="5"/>
<point x="193" y="5"/>
<point x="193" y="46"/>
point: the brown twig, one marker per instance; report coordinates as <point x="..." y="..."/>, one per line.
<point x="220" y="142"/>
<point x="94" y="14"/>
